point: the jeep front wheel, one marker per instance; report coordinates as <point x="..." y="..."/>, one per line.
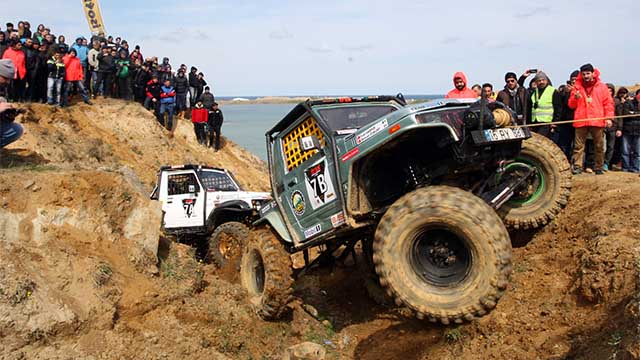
<point x="546" y="193"/>
<point x="443" y="253"/>
<point x="225" y="248"/>
<point x="266" y="273"/>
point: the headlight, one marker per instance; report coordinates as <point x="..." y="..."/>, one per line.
<point x="256" y="204"/>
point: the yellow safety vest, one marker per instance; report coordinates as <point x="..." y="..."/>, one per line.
<point x="544" y="111"/>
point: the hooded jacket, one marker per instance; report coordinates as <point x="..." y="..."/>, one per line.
<point x="73" y="68"/>
<point x="82" y="52"/>
<point x="465" y="93"/>
<point x="199" y="114"/>
<point x="19" y="62"/>
<point x="600" y="106"/>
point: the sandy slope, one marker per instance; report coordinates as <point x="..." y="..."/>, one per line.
<point x="79" y="278"/>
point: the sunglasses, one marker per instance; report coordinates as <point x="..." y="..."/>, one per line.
<point x="511" y="80"/>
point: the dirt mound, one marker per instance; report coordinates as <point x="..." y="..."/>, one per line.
<point x="80" y="276"/>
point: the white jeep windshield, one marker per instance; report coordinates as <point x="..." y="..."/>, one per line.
<point x="354" y="117"/>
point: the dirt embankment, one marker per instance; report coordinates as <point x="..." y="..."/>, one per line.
<point x="79" y="277"/>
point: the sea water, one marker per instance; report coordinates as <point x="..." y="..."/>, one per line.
<point x="246" y="124"/>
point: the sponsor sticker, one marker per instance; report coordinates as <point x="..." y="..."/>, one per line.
<point x="297" y="203"/>
<point x="268" y="206"/>
<point x="337" y="219"/>
<point x="370" y="132"/>
<point x="312" y="231"/>
<point x="319" y="185"/>
<point x="350" y="154"/>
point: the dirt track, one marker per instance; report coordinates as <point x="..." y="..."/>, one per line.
<point x="77" y="279"/>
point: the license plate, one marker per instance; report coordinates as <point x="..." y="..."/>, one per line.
<point x="504" y="134"/>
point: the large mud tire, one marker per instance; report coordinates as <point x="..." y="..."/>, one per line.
<point x="266" y="273"/>
<point x="225" y="247"/>
<point x="554" y="176"/>
<point x="479" y="255"/>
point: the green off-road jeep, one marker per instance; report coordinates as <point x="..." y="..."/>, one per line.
<point x="429" y="189"/>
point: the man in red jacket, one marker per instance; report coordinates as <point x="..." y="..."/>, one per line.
<point x="461" y="91"/>
<point x="74" y="75"/>
<point x="590" y="98"/>
<point x="18" y="57"/>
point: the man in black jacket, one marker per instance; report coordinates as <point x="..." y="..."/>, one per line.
<point x="153" y="91"/>
<point x="181" y="85"/>
<point x="207" y="98"/>
<point x="106" y="71"/>
<point x="215" y="125"/>
<point x="514" y="96"/>
<point x="566" y="132"/>
<point x="193" y="88"/>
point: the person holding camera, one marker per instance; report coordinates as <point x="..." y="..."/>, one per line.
<point x="9" y="130"/>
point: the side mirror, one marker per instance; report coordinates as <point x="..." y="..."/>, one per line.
<point x="310" y="143"/>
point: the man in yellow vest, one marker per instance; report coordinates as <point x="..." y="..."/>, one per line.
<point x="545" y="106"/>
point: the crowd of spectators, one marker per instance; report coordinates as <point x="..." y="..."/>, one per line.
<point x="604" y="134"/>
<point x="48" y="70"/>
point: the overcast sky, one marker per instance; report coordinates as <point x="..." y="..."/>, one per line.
<point x="336" y="47"/>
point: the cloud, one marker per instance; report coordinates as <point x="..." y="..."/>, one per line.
<point x="450" y="40"/>
<point x="281" y="34"/>
<point x="324" y="49"/>
<point x="500" y="44"/>
<point x="357" y="48"/>
<point x="540" y="10"/>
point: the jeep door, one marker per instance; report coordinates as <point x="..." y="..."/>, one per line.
<point x="306" y="184"/>
<point x="183" y="199"/>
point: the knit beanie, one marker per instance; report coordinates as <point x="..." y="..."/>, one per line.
<point x="510" y="75"/>
<point x="6" y="69"/>
<point x="586" y="67"/>
<point x="541" y="75"/>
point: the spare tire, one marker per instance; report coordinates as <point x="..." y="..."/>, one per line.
<point x="443" y="253"/>
<point x="548" y="190"/>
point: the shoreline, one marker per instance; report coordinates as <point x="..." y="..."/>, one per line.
<point x="289" y="100"/>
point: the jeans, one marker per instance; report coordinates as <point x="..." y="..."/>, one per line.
<point x="9" y="132"/>
<point x="96" y="87"/>
<point x="54" y="86"/>
<point x="68" y="86"/>
<point x="192" y="96"/>
<point x="169" y="109"/>
<point x="631" y="153"/>
<point x="598" y="140"/>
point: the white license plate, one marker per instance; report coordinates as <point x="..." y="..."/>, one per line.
<point x="504" y="134"/>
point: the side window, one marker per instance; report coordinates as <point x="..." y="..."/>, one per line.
<point x="217" y="181"/>
<point x="182" y="184"/>
<point x="292" y="152"/>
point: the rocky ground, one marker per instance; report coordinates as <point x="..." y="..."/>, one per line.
<point x="85" y="273"/>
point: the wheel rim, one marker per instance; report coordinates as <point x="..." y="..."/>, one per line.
<point x="440" y="257"/>
<point x="535" y="186"/>
<point x="257" y="272"/>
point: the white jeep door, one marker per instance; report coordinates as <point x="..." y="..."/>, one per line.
<point x="182" y="200"/>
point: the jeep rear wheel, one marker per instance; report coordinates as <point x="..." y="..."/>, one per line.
<point x="225" y="248"/>
<point x="443" y="253"/>
<point x="547" y="191"/>
<point x="266" y="273"/>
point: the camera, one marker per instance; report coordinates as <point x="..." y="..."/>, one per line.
<point x="10" y="114"/>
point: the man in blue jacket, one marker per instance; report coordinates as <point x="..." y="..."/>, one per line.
<point x="167" y="103"/>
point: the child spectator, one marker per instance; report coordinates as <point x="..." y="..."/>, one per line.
<point x="55" y="67"/>
<point x="73" y="77"/>
<point x="167" y="103"/>
<point x="199" y="118"/>
<point x="215" y="125"/>
<point x="123" y="75"/>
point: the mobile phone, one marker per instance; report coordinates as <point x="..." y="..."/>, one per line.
<point x="533" y="71"/>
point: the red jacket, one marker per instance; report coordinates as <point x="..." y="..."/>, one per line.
<point x="600" y="106"/>
<point x="73" y="68"/>
<point x="19" y="62"/>
<point x="465" y="93"/>
<point x="199" y="115"/>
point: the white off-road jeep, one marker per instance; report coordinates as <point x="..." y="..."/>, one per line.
<point x="207" y="203"/>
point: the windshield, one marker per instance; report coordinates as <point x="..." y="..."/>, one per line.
<point x="217" y="181"/>
<point x="354" y="117"/>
